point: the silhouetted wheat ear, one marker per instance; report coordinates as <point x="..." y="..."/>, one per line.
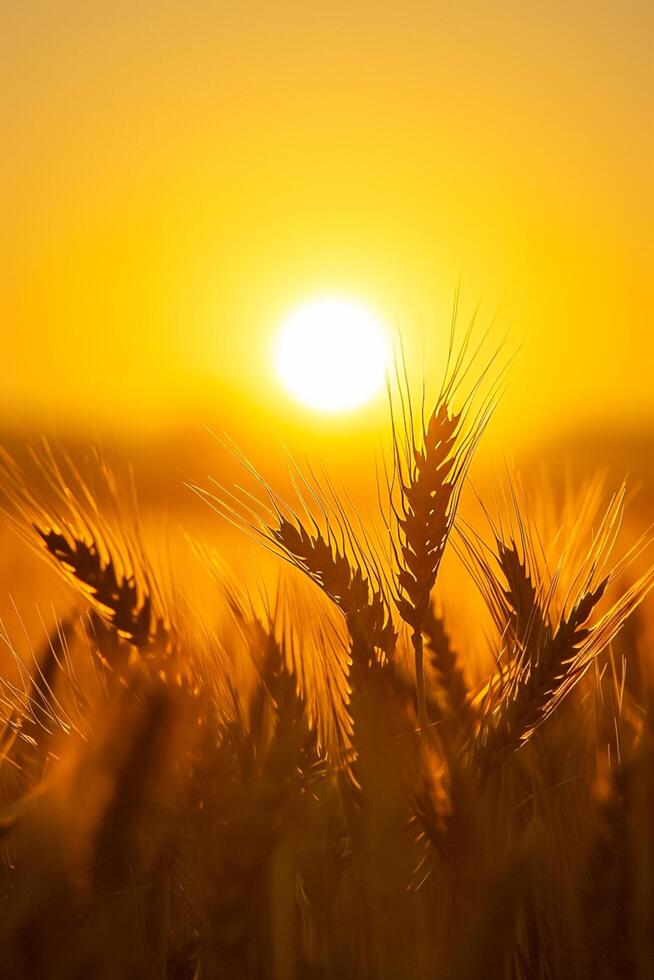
<point x="545" y="654"/>
<point x="363" y="605"/>
<point x="106" y="565"/>
<point x="546" y="667"/>
<point x="427" y="514"/>
<point x="125" y="605"/>
<point x="430" y="469"/>
<point x="445" y="662"/>
<point x="524" y="612"/>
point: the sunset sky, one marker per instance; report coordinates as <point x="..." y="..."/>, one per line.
<point x="176" y="177"/>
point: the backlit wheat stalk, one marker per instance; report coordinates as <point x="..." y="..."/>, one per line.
<point x="100" y="562"/>
<point x="546" y="652"/>
<point x="431" y="458"/>
<point x="318" y="547"/>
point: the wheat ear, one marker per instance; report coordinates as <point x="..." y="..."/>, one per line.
<point x="127" y="605"/>
<point x="548" y="651"/>
<point x="446" y="664"/>
<point x="431" y="459"/>
<point x="320" y="547"/>
<point x="104" y="565"/>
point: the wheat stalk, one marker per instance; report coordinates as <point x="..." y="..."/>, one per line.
<point x="360" y="601"/>
<point x="318" y="547"/>
<point x="105" y="566"/>
<point x="446" y="664"/>
<point x="125" y="603"/>
<point x="431" y="459"/>
<point x="548" y="652"/>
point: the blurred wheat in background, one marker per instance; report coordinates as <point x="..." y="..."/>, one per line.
<point x="321" y="772"/>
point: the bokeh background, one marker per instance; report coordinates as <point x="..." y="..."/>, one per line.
<point x="178" y="175"/>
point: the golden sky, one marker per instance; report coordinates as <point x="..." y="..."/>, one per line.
<point x="176" y="176"/>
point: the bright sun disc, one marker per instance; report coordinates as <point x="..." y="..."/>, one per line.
<point x="332" y="354"/>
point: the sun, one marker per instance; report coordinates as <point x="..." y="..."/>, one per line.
<point x="332" y="354"/>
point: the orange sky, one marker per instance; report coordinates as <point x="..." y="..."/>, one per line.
<point x="177" y="175"/>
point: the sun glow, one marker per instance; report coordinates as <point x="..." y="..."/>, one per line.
<point x="332" y="354"/>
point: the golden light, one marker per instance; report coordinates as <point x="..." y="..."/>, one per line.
<point x="332" y="354"/>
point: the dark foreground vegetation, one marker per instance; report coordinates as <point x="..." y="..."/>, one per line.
<point x="318" y="782"/>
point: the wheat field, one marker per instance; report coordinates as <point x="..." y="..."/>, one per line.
<point x="419" y="747"/>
